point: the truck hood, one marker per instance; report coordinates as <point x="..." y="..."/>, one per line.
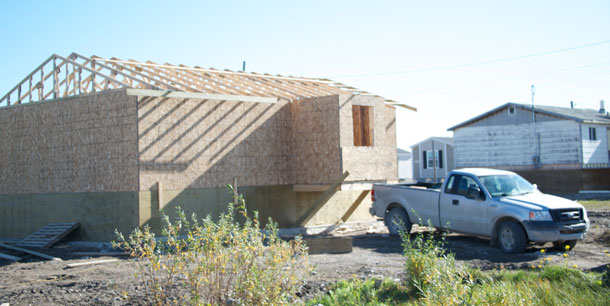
<point x="538" y="200"/>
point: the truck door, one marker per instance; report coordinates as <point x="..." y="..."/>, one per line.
<point x="462" y="213"/>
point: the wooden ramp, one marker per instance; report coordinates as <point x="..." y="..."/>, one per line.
<point x="48" y="235"/>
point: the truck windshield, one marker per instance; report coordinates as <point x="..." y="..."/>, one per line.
<point x="506" y="185"/>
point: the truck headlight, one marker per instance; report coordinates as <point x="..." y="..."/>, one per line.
<point x="540" y="215"/>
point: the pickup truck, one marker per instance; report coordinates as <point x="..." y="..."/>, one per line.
<point x="496" y="204"/>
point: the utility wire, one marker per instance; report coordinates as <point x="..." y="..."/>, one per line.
<point x="506" y="59"/>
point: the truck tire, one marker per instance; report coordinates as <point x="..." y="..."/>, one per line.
<point x="561" y="245"/>
<point x="511" y="237"/>
<point x="397" y="221"/>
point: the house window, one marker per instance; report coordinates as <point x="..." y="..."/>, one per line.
<point x="592" y="133"/>
<point x="363" y="125"/>
<point x="429" y="159"/>
<point x="511" y="111"/>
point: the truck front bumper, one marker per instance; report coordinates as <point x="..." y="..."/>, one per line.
<point x="547" y="231"/>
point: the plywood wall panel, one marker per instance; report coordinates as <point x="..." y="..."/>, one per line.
<point x="78" y="144"/>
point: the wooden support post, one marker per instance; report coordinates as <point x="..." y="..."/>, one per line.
<point x="160" y="203"/>
<point x="317" y="205"/>
<point x="30" y="94"/>
<point x="80" y="84"/>
<point x="54" y="79"/>
<point x="41" y="87"/>
<point x="93" y="76"/>
<point x="19" y="95"/>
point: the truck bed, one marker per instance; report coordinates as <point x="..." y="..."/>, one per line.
<point x="423" y="201"/>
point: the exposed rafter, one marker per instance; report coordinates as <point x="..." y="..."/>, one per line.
<point x="60" y="77"/>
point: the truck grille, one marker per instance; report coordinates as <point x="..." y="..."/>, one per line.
<point x="568" y="215"/>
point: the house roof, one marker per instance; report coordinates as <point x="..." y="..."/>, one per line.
<point x="60" y="77"/>
<point x="446" y="140"/>
<point x="576" y="114"/>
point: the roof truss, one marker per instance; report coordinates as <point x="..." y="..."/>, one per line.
<point x="60" y="77"/>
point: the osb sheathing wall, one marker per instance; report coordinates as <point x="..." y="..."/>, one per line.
<point x="70" y="160"/>
<point x="315" y="129"/>
<point x="196" y="143"/>
<point x="369" y="163"/>
<point x="82" y="144"/>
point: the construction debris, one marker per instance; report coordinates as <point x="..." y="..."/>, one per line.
<point x="48" y="235"/>
<point x="101" y="254"/>
<point x="41" y="255"/>
<point x="9" y="257"/>
<point x="95" y="262"/>
<point x="330" y="245"/>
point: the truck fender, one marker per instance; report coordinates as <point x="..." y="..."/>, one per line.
<point x="496" y="225"/>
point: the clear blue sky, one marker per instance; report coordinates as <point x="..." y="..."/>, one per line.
<point x="416" y="52"/>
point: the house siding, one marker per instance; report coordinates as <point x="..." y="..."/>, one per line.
<point x="521" y="116"/>
<point x="594" y="151"/>
<point x="513" y="145"/>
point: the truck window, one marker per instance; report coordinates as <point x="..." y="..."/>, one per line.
<point x="449" y="186"/>
<point x="464" y="183"/>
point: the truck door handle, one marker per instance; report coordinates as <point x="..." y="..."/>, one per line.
<point x="455" y="202"/>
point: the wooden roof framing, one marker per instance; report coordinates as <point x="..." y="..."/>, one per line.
<point x="59" y="77"/>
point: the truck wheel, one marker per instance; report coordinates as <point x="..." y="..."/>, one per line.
<point x="511" y="237"/>
<point x="397" y="221"/>
<point x="562" y="245"/>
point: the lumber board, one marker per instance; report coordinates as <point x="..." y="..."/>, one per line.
<point x="89" y="263"/>
<point x="10" y="257"/>
<point x="310" y="187"/>
<point x="101" y="254"/>
<point x="196" y="95"/>
<point x="41" y="255"/>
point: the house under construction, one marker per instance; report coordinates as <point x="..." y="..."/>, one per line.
<point x="113" y="144"/>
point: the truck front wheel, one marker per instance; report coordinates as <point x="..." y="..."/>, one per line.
<point x="511" y="237"/>
<point x="397" y="221"/>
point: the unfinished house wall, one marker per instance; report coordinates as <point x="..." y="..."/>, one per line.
<point x="315" y="140"/>
<point x="69" y="160"/>
<point x="368" y="162"/>
<point x="195" y="147"/>
<point x="195" y="143"/>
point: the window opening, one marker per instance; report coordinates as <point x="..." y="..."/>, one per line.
<point x="363" y="125"/>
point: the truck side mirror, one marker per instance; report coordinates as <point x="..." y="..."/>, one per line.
<point x="473" y="193"/>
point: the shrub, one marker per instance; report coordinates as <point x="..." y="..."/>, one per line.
<point x="217" y="262"/>
<point x="435" y="279"/>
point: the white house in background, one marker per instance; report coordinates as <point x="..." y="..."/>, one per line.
<point x="432" y="159"/>
<point x="405" y="166"/>
<point x="560" y="138"/>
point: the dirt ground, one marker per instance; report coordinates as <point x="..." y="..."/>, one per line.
<point x="33" y="281"/>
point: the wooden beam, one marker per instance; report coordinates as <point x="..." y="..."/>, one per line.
<point x="320" y="201"/>
<point x="196" y="95"/>
<point x="310" y="187"/>
<point x="10" y="257"/>
<point x="41" y="255"/>
<point x="89" y="263"/>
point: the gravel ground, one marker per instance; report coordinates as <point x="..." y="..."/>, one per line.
<point x="374" y="255"/>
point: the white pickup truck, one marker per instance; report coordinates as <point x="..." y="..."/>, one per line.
<point x="497" y="204"/>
